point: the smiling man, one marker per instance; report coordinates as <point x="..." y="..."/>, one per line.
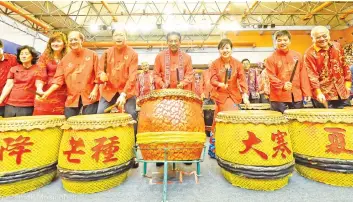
<point x="284" y="92"/>
<point x="171" y="62"/>
<point x="329" y="74"/>
<point x="119" y="72"/>
<point x="79" y="71"/>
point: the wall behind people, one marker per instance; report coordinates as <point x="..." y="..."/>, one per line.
<point x="202" y="56"/>
<point x="21" y="35"/>
<point x="301" y="40"/>
<point x="10" y="47"/>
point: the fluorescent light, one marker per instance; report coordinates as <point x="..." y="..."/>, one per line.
<point x="94" y="27"/>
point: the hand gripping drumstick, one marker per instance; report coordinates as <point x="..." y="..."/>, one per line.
<point x="108" y="109"/>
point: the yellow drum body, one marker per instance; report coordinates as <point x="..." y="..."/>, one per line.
<point x="29" y="149"/>
<point x="96" y="152"/>
<point x="253" y="148"/>
<point x="323" y="144"/>
<point x="171" y="125"/>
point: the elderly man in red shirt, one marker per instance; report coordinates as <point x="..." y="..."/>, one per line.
<point x="173" y="64"/>
<point x="80" y="72"/>
<point x="6" y="62"/>
<point x="330" y="77"/>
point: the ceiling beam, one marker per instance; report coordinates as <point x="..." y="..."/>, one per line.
<point x="345" y="14"/>
<point x="317" y="9"/>
<point x="250" y="10"/>
<point x="115" y="19"/>
<point x="21" y="12"/>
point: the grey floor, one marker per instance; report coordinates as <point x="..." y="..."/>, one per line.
<point x="212" y="187"/>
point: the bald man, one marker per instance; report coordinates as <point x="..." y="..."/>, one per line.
<point x="330" y="77"/>
<point x="80" y="72"/>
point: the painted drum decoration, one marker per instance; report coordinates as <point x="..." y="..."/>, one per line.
<point x="29" y="149"/>
<point x="171" y="122"/>
<point x="323" y="144"/>
<point x="96" y="152"/>
<point x="253" y="148"/>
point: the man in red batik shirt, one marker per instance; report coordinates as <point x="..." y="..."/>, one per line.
<point x="144" y="83"/>
<point x="172" y="61"/>
<point x="330" y="77"/>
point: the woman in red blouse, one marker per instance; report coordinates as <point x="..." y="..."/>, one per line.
<point x="19" y="91"/>
<point x="229" y="84"/>
<point x="48" y="61"/>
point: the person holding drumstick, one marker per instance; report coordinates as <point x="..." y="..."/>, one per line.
<point x="289" y="81"/>
<point x="228" y="81"/>
<point x="173" y="67"/>
<point x="330" y="77"/>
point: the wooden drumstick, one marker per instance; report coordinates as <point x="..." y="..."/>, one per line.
<point x="325" y="104"/>
<point x="108" y="109"/>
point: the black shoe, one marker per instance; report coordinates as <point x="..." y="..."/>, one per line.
<point x="159" y="164"/>
<point x="188" y="164"/>
<point x="136" y="165"/>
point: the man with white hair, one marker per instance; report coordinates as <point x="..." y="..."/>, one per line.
<point x="329" y="75"/>
<point x="79" y="70"/>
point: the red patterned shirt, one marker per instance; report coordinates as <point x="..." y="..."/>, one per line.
<point x="328" y="71"/>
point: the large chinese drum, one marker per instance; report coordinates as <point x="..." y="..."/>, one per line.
<point x="96" y="152"/>
<point x="256" y="106"/>
<point x="171" y="125"/>
<point x="253" y="148"/>
<point x="208" y="114"/>
<point x="323" y="144"/>
<point x="29" y="149"/>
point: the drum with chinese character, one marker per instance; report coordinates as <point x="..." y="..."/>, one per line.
<point x="256" y="106"/>
<point x="96" y="152"/>
<point x="29" y="149"/>
<point x="323" y="144"/>
<point x="208" y="113"/>
<point x="172" y="120"/>
<point x="253" y="148"/>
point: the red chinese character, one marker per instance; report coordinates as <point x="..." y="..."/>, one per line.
<point x="251" y="141"/>
<point x="16" y="147"/>
<point x="337" y="140"/>
<point x="74" y="145"/>
<point x="281" y="145"/>
<point x="107" y="150"/>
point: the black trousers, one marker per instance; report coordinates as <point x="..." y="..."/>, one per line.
<point x="74" y="111"/>
<point x="13" y="111"/>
